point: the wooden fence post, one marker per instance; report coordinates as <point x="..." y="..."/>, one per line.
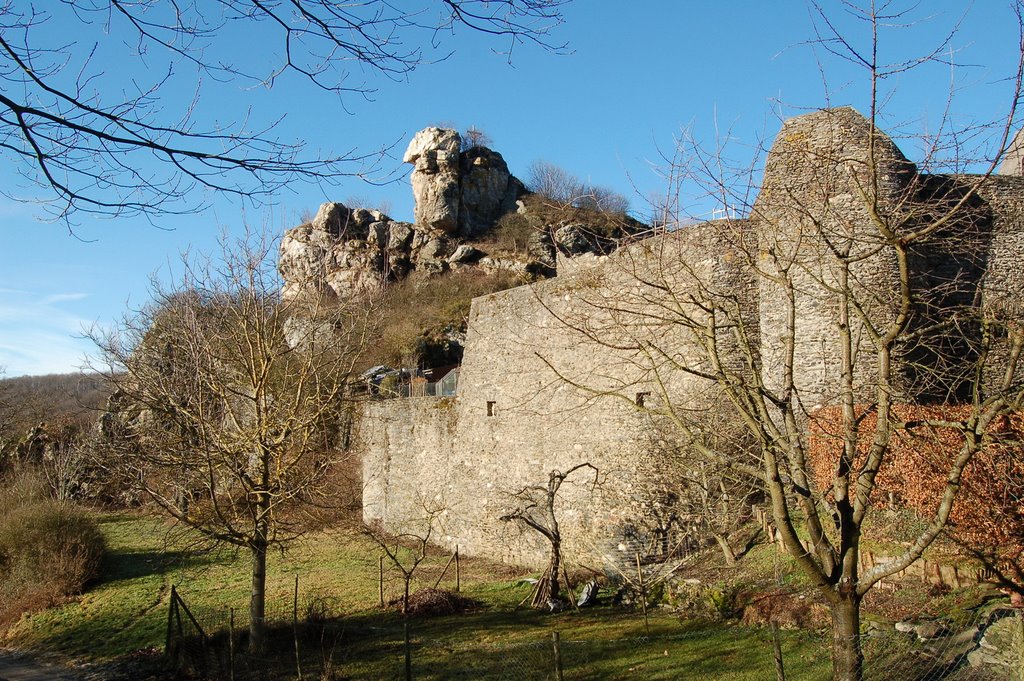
<point x="380" y="579"/>
<point x="557" y="641"/>
<point x="295" y="629"/>
<point x="780" y="671"/>
<point x="1020" y="645"/>
<point x="445" y="570"/>
<point x="643" y="594"/>
<point x="231" y="645"/>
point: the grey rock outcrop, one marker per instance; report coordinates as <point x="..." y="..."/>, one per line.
<point x="434" y="153"/>
<point x="465" y="254"/>
<point x="343" y="251"/>
<point x="1013" y="162"/>
<point x="488" y="190"/>
<point x="1000" y="646"/>
<point x="458" y="192"/>
<point x="460" y="196"/>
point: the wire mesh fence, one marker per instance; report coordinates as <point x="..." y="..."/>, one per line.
<point x="305" y="641"/>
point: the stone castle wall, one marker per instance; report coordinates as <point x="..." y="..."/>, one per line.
<point x="553" y="372"/>
<point x="516" y="418"/>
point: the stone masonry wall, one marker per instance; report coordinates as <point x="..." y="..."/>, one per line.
<point x="553" y="372"/>
<point x="517" y="418"/>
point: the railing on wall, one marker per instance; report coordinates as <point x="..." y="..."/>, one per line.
<point x="418" y="386"/>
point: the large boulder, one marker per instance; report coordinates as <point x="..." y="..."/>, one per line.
<point x="343" y="252"/>
<point x="488" y="190"/>
<point x="434" y="153"/>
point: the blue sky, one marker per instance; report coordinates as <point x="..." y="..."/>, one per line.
<point x="638" y="73"/>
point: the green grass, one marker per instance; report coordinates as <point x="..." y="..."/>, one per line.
<point x="127" y="610"/>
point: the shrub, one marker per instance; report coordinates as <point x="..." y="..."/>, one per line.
<point x="987" y="519"/>
<point x="601" y="224"/>
<point x="512" y="234"/>
<point x="48" y="550"/>
<point x="418" y="315"/>
<point x="561" y="186"/>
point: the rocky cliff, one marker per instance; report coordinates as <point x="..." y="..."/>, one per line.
<point x="470" y="212"/>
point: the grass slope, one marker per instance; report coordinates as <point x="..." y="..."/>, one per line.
<point x="127" y="610"/>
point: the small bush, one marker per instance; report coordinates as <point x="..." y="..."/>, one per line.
<point x="48" y="550"/>
<point x="512" y="234"/>
<point x="419" y="314"/>
<point x="724" y="600"/>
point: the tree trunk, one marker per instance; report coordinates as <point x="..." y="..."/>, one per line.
<point x="258" y="599"/>
<point x="847" y="656"/>
<point x="553" y="569"/>
<point x="723" y="543"/>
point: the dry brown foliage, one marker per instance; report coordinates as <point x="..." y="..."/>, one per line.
<point x="988" y="515"/>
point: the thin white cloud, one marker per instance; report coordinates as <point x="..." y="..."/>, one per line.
<point x="63" y="297"/>
<point x="40" y="333"/>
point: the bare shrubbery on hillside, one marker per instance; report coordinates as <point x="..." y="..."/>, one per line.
<point x="562" y="187"/>
<point x="49" y="550"/>
<point x="513" y="234"/>
<point x="419" y="314"/>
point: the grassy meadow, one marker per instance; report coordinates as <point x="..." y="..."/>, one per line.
<point x="126" y="610"/>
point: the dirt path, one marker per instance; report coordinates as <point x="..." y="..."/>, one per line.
<point x="16" y="666"/>
<point x="142" y="665"/>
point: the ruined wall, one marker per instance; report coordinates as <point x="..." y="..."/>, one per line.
<point x="1003" y="281"/>
<point x="553" y="371"/>
<point x="813" y="204"/>
<point x="517" y="417"/>
<point x="406" y="448"/>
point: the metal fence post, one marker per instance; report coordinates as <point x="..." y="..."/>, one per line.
<point x="168" y="641"/>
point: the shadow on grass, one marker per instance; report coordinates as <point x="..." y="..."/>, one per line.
<point x="601" y="643"/>
<point x="122" y="565"/>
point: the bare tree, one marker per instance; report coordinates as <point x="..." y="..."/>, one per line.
<point x="116" y="148"/>
<point x="716" y="500"/>
<point x="536" y="510"/>
<point x="406" y="550"/>
<point x="552" y="182"/>
<point x="687" y="499"/>
<point x="474" y="137"/>
<point x="228" y="426"/>
<point x="858" y="290"/>
<point x="565" y="189"/>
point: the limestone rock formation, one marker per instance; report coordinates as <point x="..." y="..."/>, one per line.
<point x="488" y="190"/>
<point x="344" y="251"/>
<point x="461" y="196"/>
<point x="458" y="192"/>
<point x="434" y="153"/>
<point x="1013" y="162"/>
